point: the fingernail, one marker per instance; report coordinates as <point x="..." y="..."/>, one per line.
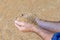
<point x="15" y="21"/>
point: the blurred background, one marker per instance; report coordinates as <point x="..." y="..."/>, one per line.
<point x="10" y="9"/>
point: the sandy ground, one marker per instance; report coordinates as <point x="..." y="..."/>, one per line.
<point x="10" y="9"/>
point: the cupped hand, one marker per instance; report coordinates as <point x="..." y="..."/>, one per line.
<point x="23" y="26"/>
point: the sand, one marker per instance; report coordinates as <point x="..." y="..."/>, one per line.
<point x="10" y="9"/>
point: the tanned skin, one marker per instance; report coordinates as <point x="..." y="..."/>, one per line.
<point x="27" y="27"/>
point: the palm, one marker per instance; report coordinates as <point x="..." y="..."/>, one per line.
<point x="22" y="26"/>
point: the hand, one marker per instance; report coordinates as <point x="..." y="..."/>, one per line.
<point x="23" y="26"/>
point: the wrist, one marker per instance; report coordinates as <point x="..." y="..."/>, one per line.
<point x="35" y="29"/>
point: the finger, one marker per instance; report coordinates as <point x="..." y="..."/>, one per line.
<point x="20" y="28"/>
<point x="19" y="23"/>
